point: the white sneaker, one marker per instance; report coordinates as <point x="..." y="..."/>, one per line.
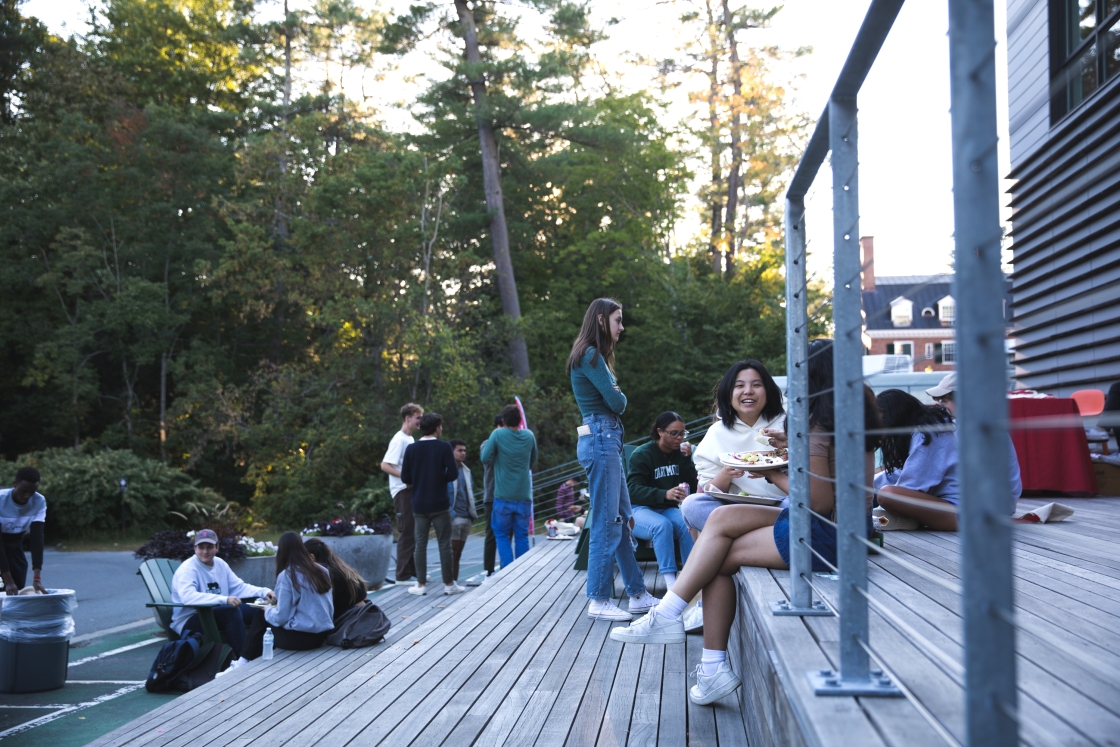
<point x="710" y="689"/>
<point x="605" y="609"/>
<point x="453" y="589"/>
<point x="651" y="628"/>
<point x="885" y="521"/>
<point x="694" y="619"/>
<point x="644" y="602"/>
<point x="418" y="590"/>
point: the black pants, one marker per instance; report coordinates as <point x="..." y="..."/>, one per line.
<point x="231" y="621"/>
<point x="17" y="560"/>
<point x="490" y="547"/>
<point x="406" y="535"/>
<point x="441" y="522"/>
<point x="1110" y="418"/>
<point x="289" y="640"/>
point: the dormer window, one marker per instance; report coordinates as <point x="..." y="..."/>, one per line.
<point x="947" y="310"/>
<point x="902" y="312"/>
<point x="928" y="312"/>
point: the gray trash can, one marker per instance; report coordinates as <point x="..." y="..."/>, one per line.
<point x="35" y="635"/>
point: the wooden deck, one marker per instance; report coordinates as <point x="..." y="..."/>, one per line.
<point x="1067" y="578"/>
<point x="515" y="661"/>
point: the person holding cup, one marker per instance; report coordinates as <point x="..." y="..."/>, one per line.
<point x="661" y="475"/>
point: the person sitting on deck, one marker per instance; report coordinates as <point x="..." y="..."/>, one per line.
<point x="921" y="467"/>
<point x="660" y="476"/>
<point x="205" y="579"/>
<point x="348" y="589"/>
<point x="744" y="535"/>
<point x="303" y="615"/>
<point x="566" y="500"/>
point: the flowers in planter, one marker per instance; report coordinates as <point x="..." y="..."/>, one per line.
<point x="254" y="549"/>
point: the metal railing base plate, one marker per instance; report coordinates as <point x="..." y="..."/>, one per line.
<point x="828" y="682"/>
<point x="784" y="608"/>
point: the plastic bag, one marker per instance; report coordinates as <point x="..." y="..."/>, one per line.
<point x="39" y="617"/>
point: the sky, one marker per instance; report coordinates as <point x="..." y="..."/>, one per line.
<point x="905" y="178"/>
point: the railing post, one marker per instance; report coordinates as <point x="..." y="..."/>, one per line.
<point x="981" y="399"/>
<point x="797" y="417"/>
<point x="847" y="356"/>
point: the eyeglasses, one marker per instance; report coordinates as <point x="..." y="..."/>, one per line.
<point x="676" y="434"/>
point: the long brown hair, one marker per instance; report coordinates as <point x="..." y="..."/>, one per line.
<point x="595" y="334"/>
<point x="291" y="555"/>
<point x="325" y="556"/>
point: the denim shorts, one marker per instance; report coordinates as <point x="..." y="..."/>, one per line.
<point x="822" y="538"/>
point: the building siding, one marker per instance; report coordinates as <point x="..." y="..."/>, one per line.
<point x="1028" y="61"/>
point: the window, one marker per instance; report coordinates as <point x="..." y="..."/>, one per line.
<point x="902" y="312"/>
<point x="929" y="312"/>
<point x="904" y="348"/>
<point x="1085" y="50"/>
<point x="929" y="351"/>
<point x="948" y="351"/>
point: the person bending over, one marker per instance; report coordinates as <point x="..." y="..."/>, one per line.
<point x="463" y="511"/>
<point x="23" y="510"/>
<point x="737" y="535"/>
<point x="303" y="615"/>
<point x="348" y="589"/>
<point x="660" y="476"/>
<point x="205" y="578"/>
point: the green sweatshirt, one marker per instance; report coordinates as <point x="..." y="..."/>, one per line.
<point x="652" y="472"/>
<point x="594" y="387"/>
<point x="511" y="455"/>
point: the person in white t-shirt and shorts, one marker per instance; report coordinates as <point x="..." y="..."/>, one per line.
<point x="402" y="494"/>
<point x="22" y="511"/>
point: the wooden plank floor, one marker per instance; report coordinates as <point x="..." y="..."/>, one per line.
<point x="515" y="661"/>
<point x="1067" y="594"/>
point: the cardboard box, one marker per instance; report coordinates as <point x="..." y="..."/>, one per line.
<point x="1108" y="479"/>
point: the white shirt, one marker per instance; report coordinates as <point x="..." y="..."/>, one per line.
<point x="720" y="439"/>
<point x="198" y="583"/>
<point x="17" y="519"/>
<point x="394" y="455"/>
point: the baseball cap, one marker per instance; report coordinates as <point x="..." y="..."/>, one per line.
<point x="206" y="535"/>
<point x="948" y="385"/>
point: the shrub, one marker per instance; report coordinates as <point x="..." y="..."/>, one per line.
<point x="175" y="544"/>
<point x="84" y="497"/>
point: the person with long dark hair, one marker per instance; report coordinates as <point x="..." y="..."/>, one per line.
<point x="599" y="449"/>
<point x="758" y="536"/>
<point x="658" y="479"/>
<point x="348" y="588"/>
<point x="304" y="611"/>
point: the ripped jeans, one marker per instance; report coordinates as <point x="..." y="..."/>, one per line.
<point x="600" y="455"/>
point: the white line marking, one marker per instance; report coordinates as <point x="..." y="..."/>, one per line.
<point x="67" y="710"/>
<point x="116" y="629"/>
<point x="104" y="682"/>
<point x="120" y="650"/>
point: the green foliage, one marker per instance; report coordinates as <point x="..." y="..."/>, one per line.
<point x="84" y="497"/>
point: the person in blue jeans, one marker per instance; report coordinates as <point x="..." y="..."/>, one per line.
<point x="599" y="450"/>
<point x="511" y="452"/>
<point x="660" y="476"/>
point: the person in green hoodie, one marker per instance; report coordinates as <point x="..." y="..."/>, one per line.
<point x="660" y="476"/>
<point x="511" y="451"/>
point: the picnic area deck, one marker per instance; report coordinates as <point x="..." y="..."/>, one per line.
<point x="518" y="662"/>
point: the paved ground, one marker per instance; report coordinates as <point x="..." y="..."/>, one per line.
<point x="105" y="683"/>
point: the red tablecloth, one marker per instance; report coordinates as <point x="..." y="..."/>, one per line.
<point x="1054" y="459"/>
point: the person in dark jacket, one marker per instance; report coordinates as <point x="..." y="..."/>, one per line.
<point x="429" y="464"/>
<point x="660" y="476"/>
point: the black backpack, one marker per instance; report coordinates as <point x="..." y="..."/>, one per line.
<point x="359" y="627"/>
<point x="184" y="664"/>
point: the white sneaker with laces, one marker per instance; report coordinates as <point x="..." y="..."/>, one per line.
<point x="605" y="609"/>
<point x="694" y="619"/>
<point x="709" y="689"/>
<point x="453" y="589"/>
<point x="418" y="590"/>
<point x="644" y="602"/>
<point x="650" y="628"/>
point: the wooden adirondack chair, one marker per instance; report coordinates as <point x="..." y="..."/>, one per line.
<point x="157" y="574"/>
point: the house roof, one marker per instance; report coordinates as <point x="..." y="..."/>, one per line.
<point x="923" y="290"/>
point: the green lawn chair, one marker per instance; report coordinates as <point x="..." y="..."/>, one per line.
<point x="158" y="574"/>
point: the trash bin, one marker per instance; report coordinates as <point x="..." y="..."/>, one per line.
<point x="35" y="635"/>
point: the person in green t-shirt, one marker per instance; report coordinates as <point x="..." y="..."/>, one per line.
<point x="660" y="476"/>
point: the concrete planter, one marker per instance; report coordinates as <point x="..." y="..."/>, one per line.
<point x="260" y="571"/>
<point x="368" y="554"/>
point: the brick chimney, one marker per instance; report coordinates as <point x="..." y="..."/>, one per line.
<point x="867" y="260"/>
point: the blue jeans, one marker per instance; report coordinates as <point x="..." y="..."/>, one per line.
<point x="511" y="517"/>
<point x="662" y="525"/>
<point x="600" y="455"/>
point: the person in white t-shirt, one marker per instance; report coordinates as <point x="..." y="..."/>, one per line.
<point x="402" y="494"/>
<point x="207" y="579"/>
<point x="22" y="511"/>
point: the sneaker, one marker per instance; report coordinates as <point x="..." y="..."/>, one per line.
<point x="418" y="590"/>
<point x="694" y="619"/>
<point x="605" y="609"/>
<point x="644" y="602"/>
<point x="885" y="521"/>
<point x="474" y="582"/>
<point x="650" y="628"/>
<point x="710" y="689"/>
<point x="390" y="581"/>
<point x="453" y="589"/>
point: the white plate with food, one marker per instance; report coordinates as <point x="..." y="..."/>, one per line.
<point x="747" y="500"/>
<point x="262" y="603"/>
<point x="756" y="460"/>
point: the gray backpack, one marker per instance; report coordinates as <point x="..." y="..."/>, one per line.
<point x="359" y="627"/>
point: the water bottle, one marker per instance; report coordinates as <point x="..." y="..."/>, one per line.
<point x="267" y="655"/>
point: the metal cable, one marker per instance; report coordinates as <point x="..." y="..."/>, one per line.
<point x="823" y="518"/>
<point x="922" y="643"/>
<point x="1112" y="675"/>
<point x="1015" y="715"/>
<point x="949" y="585"/>
<point x="823" y="559"/>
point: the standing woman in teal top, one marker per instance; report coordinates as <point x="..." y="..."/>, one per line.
<point x="601" y="401"/>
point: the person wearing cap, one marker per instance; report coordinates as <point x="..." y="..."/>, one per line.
<point x="22" y="511"/>
<point x="942" y="394"/>
<point x="207" y="579"/>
